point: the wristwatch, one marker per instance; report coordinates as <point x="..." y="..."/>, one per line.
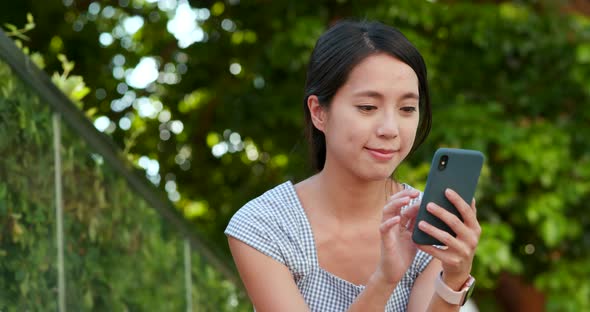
<point x="451" y="296"/>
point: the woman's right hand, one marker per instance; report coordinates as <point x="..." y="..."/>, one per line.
<point x="397" y="248"/>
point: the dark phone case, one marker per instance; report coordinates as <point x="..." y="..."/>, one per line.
<point x="461" y="174"/>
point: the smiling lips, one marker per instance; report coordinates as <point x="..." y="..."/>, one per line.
<point x="381" y="154"/>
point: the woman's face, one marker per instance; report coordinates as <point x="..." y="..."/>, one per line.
<point x="371" y="124"/>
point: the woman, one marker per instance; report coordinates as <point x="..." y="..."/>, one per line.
<point x="339" y="240"/>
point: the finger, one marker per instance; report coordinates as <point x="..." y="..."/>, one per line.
<point x="398" y="200"/>
<point x="444" y="237"/>
<point x="408" y="215"/>
<point x="464" y="209"/>
<point x="435" y="251"/>
<point x="393" y="208"/>
<point x="474" y="207"/>
<point x="469" y="236"/>
<point x="439" y="252"/>
<point x="388" y="224"/>
<point x="448" y="218"/>
<point x="406" y="192"/>
<point x="411" y="211"/>
<point x="449" y="258"/>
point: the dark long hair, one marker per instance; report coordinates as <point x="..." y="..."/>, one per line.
<point x="337" y="52"/>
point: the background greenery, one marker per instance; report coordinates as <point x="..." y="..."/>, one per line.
<point x="509" y="78"/>
<point x="120" y="255"/>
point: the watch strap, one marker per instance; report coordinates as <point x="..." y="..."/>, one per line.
<point x="451" y="296"/>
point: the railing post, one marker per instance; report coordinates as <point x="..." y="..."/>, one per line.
<point x="188" y="281"/>
<point x="61" y="283"/>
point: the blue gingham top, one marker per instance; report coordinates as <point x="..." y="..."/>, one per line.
<point x="276" y="225"/>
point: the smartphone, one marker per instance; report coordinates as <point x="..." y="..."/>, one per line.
<point x="457" y="169"/>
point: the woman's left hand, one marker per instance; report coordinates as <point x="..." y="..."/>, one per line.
<point x="457" y="256"/>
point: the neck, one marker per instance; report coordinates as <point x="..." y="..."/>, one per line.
<point x="351" y="199"/>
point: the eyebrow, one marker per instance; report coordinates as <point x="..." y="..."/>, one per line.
<point x="368" y="93"/>
<point x="410" y="95"/>
<point x="375" y="94"/>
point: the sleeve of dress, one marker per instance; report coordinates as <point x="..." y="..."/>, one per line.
<point x="421" y="261"/>
<point x="255" y="228"/>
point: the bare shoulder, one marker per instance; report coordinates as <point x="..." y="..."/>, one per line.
<point x="302" y="188"/>
<point x="268" y="282"/>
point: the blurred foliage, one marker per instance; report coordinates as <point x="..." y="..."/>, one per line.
<point x="120" y="255"/>
<point x="511" y="79"/>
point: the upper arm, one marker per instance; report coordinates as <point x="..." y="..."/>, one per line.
<point x="423" y="288"/>
<point x="268" y="282"/>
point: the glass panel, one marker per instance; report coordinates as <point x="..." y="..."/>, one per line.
<point x="120" y="253"/>
<point x="28" y="278"/>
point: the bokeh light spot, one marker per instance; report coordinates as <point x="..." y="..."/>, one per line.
<point x="105" y="39"/>
<point x="94" y="8"/>
<point x="143" y="74"/>
<point x="125" y="123"/>
<point x="102" y="123"/>
<point x="235" y="68"/>
<point x="132" y="24"/>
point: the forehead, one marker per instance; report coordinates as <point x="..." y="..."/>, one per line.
<point x="383" y="73"/>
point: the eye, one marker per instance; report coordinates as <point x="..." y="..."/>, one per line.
<point x="408" y="109"/>
<point x="366" y="108"/>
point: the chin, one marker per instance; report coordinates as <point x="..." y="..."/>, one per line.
<point x="373" y="172"/>
<point x="377" y="175"/>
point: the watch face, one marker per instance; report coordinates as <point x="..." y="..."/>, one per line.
<point x="469" y="292"/>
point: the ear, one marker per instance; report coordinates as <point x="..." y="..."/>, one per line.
<point x="317" y="112"/>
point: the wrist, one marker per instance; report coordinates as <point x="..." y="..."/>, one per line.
<point x="379" y="279"/>
<point x="451" y="295"/>
<point x="454" y="281"/>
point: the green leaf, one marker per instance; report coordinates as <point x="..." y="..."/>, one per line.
<point x="11" y="27"/>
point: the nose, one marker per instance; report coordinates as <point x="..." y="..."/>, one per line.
<point x="388" y="126"/>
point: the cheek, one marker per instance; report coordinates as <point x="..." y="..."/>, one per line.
<point x="409" y="133"/>
<point x="357" y="132"/>
<point x="344" y="137"/>
<point x="345" y="128"/>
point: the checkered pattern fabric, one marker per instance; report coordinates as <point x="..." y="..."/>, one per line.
<point x="276" y="225"/>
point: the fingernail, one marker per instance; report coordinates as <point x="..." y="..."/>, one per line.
<point x="430" y="207"/>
